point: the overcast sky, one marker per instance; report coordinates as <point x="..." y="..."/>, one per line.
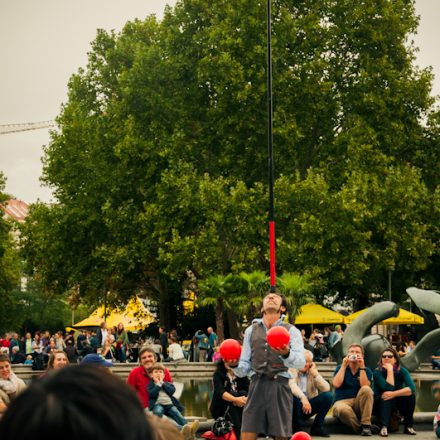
<point x="43" y="42"/>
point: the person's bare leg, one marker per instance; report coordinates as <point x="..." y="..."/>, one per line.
<point x="248" y="436"/>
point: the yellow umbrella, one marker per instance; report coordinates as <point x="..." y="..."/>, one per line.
<point x="317" y="314"/>
<point x="404" y="318"/>
<point x="134" y="317"/>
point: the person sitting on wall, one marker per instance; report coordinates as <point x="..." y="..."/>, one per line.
<point x="394" y="388"/>
<point x="162" y="401"/>
<point x="311" y="396"/>
<point x="435" y="359"/>
<point x="436" y="421"/>
<point x="10" y="385"/>
<point x="230" y="393"/>
<point x="353" y="394"/>
<point x="138" y="379"/>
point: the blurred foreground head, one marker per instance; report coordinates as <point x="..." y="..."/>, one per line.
<point x="74" y="403"/>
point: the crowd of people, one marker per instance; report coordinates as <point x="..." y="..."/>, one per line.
<point x="111" y="343"/>
<point x="271" y="391"/>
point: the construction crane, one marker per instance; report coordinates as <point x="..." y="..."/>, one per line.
<point x="25" y="126"/>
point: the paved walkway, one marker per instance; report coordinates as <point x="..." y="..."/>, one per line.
<point x="421" y="435"/>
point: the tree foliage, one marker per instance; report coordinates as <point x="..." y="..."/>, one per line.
<point x="159" y="164"/>
<point x="9" y="265"/>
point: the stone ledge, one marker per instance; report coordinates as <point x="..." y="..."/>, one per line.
<point x="422" y="422"/>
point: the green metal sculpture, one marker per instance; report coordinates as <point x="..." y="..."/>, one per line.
<point x="359" y="331"/>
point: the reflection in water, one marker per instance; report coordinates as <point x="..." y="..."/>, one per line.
<point x="198" y="393"/>
<point x="425" y="401"/>
<point x="196" y="396"/>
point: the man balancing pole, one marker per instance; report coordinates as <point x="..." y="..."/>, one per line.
<point x="269" y="406"/>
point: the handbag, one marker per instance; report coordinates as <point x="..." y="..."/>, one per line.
<point x="222" y="425"/>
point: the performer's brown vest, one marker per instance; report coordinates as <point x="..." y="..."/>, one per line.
<point x="265" y="361"/>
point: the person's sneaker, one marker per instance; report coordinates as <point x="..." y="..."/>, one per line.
<point x="318" y="432"/>
<point x="409" y="430"/>
<point x="186" y="432"/>
<point x="383" y="431"/>
<point x="366" y="430"/>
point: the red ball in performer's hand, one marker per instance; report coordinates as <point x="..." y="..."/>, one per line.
<point x="301" y="435"/>
<point x="278" y="337"/>
<point x="230" y="350"/>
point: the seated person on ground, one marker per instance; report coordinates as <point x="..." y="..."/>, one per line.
<point x="162" y="401"/>
<point x="393" y="389"/>
<point x="76" y="403"/>
<point x="353" y="394"/>
<point x="311" y="396"/>
<point x="230" y="393"/>
<point x="10" y="385"/>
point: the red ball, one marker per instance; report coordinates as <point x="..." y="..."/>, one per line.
<point x="278" y="337"/>
<point x="230" y="350"/>
<point x="301" y="435"/>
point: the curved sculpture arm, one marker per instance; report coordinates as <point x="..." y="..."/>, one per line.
<point x="429" y="344"/>
<point x="425" y="299"/>
<point x="362" y="325"/>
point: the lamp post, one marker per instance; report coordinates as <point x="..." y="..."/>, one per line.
<point x="270" y="152"/>
<point x="389" y="284"/>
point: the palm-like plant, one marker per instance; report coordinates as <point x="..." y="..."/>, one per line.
<point x="258" y="285"/>
<point x="297" y="289"/>
<point x="222" y="292"/>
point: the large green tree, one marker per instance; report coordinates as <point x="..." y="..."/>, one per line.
<point x="159" y="163"/>
<point x="9" y="266"/>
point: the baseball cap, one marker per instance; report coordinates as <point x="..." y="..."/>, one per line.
<point x="95" y="359"/>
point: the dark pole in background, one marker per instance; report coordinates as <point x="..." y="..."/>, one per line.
<point x="270" y="151"/>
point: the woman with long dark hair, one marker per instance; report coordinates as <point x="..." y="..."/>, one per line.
<point x="394" y="388"/>
<point x="230" y="393"/>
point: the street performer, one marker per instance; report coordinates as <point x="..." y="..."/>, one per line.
<point x="270" y="405"/>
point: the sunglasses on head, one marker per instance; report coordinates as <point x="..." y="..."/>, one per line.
<point x="387" y="356"/>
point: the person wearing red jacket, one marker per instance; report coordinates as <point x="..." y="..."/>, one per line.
<point x="138" y="379"/>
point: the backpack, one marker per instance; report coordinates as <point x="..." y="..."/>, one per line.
<point x="39" y="362"/>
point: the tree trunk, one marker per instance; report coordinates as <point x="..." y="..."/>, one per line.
<point x="157" y="287"/>
<point x="219" y="321"/>
<point x="164" y="304"/>
<point x="234" y="330"/>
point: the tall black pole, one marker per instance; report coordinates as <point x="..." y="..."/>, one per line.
<point x="270" y="151"/>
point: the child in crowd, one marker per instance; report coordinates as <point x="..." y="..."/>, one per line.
<point x="162" y="402"/>
<point x="28" y="360"/>
<point x="216" y="356"/>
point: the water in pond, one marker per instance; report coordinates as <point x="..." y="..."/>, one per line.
<point x="198" y="393"/>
